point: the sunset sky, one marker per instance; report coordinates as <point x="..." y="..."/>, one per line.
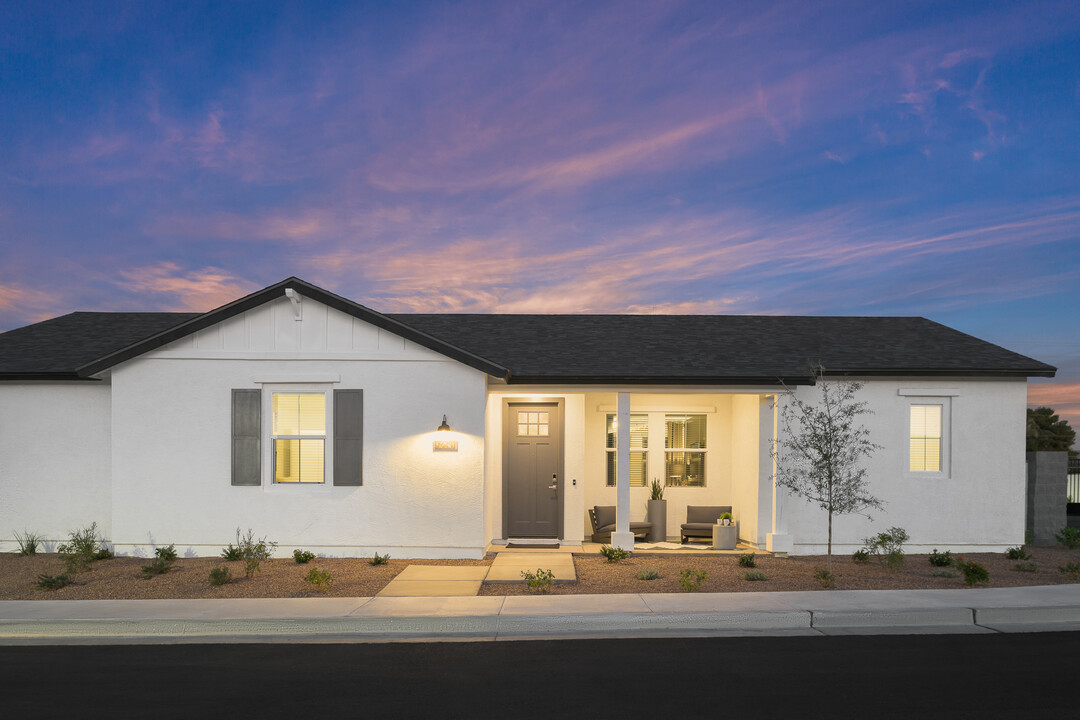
<point x="824" y="158"/>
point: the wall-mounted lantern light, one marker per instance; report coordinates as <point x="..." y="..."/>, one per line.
<point x="444" y="426"/>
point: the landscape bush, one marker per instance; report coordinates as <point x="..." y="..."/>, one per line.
<point x="825" y="578"/>
<point x="888" y="547"/>
<point x="83" y="548"/>
<point x="940" y="559"/>
<point x="860" y="557"/>
<point x="302" y="557"/>
<point x="380" y="559"/>
<point x="28" y="542"/>
<point x="166" y="553"/>
<point x="157" y="566"/>
<point x="691" y="580"/>
<point x="539" y="581"/>
<point x="613" y="554"/>
<point x="321" y="580"/>
<point x="648" y="574"/>
<point x="220" y="576"/>
<point x="1027" y="566"/>
<point x="974" y="573"/>
<point x="1071" y="570"/>
<point x="755" y="575"/>
<point x="253" y="552"/>
<point x="746" y="560"/>
<point x="1017" y="553"/>
<point x="1069" y="537"/>
<point x="53" y="582"/>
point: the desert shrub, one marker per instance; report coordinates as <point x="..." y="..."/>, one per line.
<point x="746" y="560"/>
<point x="942" y="572"/>
<point x="302" y="557"/>
<point x="28" y="542"/>
<point x="220" y="576"/>
<point x="1017" y="553"/>
<point x="974" y="573"/>
<point x="691" y="580"/>
<point x="648" y="574"/>
<point x="1071" y="570"/>
<point x="321" y="580"/>
<point x="613" y="554"/>
<point x="166" y="553"/>
<point x="157" y="566"/>
<point x="860" y="557"/>
<point x="82" y="548"/>
<point x="539" y="581"/>
<point x="888" y="547"/>
<point x="1069" y="537"/>
<point x="250" y="550"/>
<point x="825" y="577"/>
<point x="755" y="575"/>
<point x="940" y="559"/>
<point x="380" y="559"/>
<point x="232" y="553"/>
<point x="1027" y="566"/>
<point x="53" y="582"/>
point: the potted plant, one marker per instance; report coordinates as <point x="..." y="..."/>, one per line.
<point x="657" y="512"/>
<point x="725" y="518"/>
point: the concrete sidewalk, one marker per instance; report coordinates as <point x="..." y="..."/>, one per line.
<point x="1052" y="607"/>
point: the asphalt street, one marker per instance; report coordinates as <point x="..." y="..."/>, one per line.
<point x="1015" y="676"/>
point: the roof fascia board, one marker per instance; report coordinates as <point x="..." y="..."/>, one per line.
<point x="272" y="292"/>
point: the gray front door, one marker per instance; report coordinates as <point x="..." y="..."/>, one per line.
<point x="532" y="464"/>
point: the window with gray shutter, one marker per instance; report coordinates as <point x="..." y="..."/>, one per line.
<point x="348" y="437"/>
<point x="247" y="437"/>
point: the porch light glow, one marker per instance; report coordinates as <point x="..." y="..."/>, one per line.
<point x="444" y="426"/>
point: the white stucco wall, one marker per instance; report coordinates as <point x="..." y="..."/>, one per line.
<point x="171" y="442"/>
<point x="978" y="505"/>
<point x="54" y="459"/>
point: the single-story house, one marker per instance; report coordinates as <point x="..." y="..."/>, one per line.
<point x="323" y="424"/>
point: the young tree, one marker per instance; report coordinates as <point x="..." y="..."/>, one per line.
<point x="819" y="453"/>
<point x="1046" y="431"/>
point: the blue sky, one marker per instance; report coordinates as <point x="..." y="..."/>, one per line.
<point x="808" y="158"/>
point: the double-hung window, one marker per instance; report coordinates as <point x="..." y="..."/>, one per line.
<point x="925" y="439"/>
<point x="299" y="437"/>
<point x="639" y="445"/>
<point x="684" y="445"/>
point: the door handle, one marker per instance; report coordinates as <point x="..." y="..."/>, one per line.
<point x="554" y="482"/>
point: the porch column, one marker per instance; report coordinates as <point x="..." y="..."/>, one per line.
<point x="622" y="537"/>
<point x="777" y="540"/>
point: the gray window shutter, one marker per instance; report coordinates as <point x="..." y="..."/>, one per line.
<point x="247" y="437"/>
<point x="348" y="437"/>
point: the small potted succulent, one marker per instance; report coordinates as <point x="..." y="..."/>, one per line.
<point x="725" y="518"/>
<point x="657" y="512"/>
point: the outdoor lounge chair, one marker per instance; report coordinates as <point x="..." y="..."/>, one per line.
<point x="700" y="520"/>
<point x="602" y="518"/>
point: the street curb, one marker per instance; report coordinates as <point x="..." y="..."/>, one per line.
<point x="935" y="617"/>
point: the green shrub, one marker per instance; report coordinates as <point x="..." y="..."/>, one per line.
<point x="691" y="580"/>
<point x="614" y="554"/>
<point x="746" y="560"/>
<point x="1069" y="537"/>
<point x="942" y="572"/>
<point x="166" y="553"/>
<point x="82" y="548"/>
<point x="232" y="553"/>
<point x="888" y="547"/>
<point x="1071" y="570"/>
<point x="302" y="557"/>
<point x="321" y="580"/>
<point x="725" y="516"/>
<point x="220" y="576"/>
<point x="1017" y="553"/>
<point x="157" y="566"/>
<point x="648" y="574"/>
<point x="539" y="581"/>
<point x="656" y="490"/>
<point x="974" y="573"/>
<point x="28" y="542"/>
<point x="1027" y="566"/>
<point x="250" y="550"/>
<point x="940" y="559"/>
<point x="824" y="577"/>
<point x="860" y="557"/>
<point x="380" y="559"/>
<point x="755" y="575"/>
<point x="53" y="582"/>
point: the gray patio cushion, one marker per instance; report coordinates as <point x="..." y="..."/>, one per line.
<point x="703" y="527"/>
<point x="605" y="515"/>
<point x="708" y="514"/>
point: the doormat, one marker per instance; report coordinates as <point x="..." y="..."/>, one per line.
<point x="533" y="546"/>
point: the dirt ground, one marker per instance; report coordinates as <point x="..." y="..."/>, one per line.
<point x="121" y="578"/>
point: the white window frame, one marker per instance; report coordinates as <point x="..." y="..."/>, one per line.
<point x="944" y="401"/>
<point x="268" y="391"/>
<point x="704" y="451"/>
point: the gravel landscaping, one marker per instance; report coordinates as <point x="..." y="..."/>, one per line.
<point x="122" y="578"/>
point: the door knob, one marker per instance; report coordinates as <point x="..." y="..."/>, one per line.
<point x="554" y="482"/>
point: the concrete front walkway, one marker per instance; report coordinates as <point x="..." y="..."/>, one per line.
<point x="458" y="581"/>
<point x="1052" y="607"/>
<point x="508" y="566"/>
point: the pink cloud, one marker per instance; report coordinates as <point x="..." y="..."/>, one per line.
<point x="185" y="290"/>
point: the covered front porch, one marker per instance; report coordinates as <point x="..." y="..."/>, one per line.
<point x="554" y="454"/>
